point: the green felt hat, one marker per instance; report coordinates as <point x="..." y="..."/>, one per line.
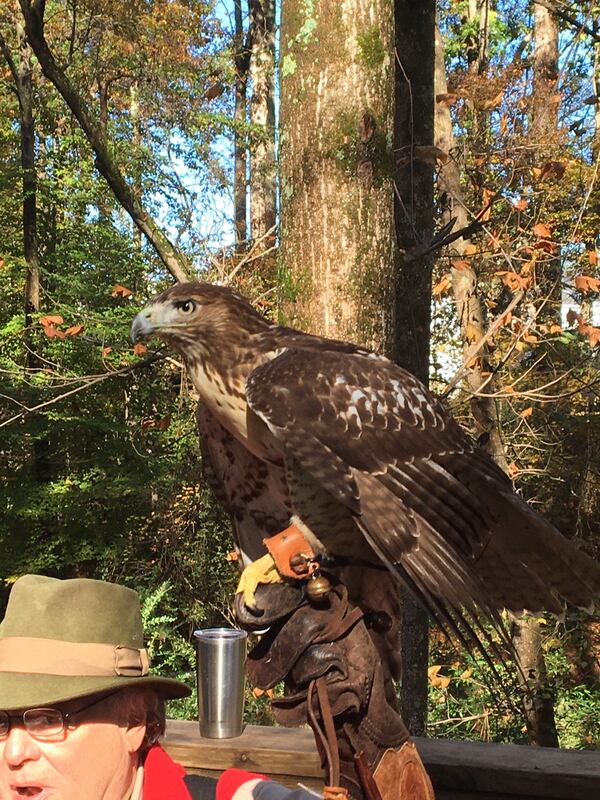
<point x="62" y="640"/>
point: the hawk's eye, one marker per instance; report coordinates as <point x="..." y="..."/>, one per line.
<point x="186" y="306"/>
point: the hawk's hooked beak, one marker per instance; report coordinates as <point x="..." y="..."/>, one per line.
<point x="142" y="326"/>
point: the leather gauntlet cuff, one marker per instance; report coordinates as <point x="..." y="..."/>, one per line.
<point x="329" y="643"/>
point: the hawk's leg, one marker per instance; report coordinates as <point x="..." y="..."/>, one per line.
<point x="289" y="556"/>
<point x="261" y="571"/>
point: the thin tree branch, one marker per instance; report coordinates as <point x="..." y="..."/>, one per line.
<point x="174" y="261"/>
<point x="88" y="382"/>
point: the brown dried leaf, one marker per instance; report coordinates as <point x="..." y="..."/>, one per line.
<point x="216" y="90"/>
<point x="55" y="319"/>
<point x="521" y="204"/>
<point x="514" y="281"/>
<point x="486" y="212"/>
<point x="106" y="351"/>
<point x="527" y="412"/>
<point x="542" y="230"/>
<point x="140" y="349"/>
<point x="121" y="291"/>
<point x="593" y="257"/>
<point x="430" y="154"/>
<point x="447" y="99"/>
<point x="53" y="333"/>
<point x="442" y="285"/>
<point x="585" y="283"/>
<point x="461" y="264"/>
<point x="75" y="330"/>
<point x="593" y="336"/>
<point x="552" y="170"/>
<point x="573" y="317"/>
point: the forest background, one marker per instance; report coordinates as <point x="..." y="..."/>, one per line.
<point x="157" y="139"/>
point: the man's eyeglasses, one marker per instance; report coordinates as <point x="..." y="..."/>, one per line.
<point x="45" y="723"/>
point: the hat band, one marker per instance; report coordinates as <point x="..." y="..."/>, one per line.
<point x="35" y="656"/>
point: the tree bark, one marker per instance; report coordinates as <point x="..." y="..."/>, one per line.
<point x="337" y="234"/>
<point x="263" y="182"/>
<point x="544" y="112"/>
<point x="527" y="637"/>
<point x="174" y="261"/>
<point x="21" y="74"/>
<point x="240" y="193"/>
<point x="413" y="213"/>
<point x="469" y="308"/>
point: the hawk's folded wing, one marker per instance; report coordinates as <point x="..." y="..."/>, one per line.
<point x="433" y="506"/>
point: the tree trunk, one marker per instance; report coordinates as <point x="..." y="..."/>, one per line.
<point x="538" y="705"/>
<point x="469" y="308"/>
<point x="415" y="39"/>
<point x="263" y="183"/>
<point x="527" y="636"/>
<point x="337" y="235"/>
<point x="545" y="99"/>
<point x="240" y="193"/>
<point x="21" y="71"/>
<point x="174" y="261"/>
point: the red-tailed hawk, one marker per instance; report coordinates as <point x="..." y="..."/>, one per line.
<point x="363" y="459"/>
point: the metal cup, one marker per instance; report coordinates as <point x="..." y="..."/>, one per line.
<point x="221" y="655"/>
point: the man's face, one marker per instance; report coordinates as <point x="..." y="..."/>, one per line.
<point x="96" y="760"/>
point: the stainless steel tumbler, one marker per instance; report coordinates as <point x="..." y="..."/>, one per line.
<point x="221" y="656"/>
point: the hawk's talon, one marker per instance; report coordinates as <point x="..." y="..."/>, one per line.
<point x="263" y="570"/>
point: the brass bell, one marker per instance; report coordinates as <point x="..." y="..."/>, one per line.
<point x="317" y="588"/>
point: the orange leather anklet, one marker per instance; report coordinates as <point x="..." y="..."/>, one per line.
<point x="292" y="554"/>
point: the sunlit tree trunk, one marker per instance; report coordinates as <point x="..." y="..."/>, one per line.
<point x="469" y="308"/>
<point x="527" y="635"/>
<point x="337" y="238"/>
<point x="545" y="100"/>
<point x="413" y="129"/>
<point x="263" y="186"/>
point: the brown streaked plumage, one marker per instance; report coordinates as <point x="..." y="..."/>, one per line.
<point x="370" y="464"/>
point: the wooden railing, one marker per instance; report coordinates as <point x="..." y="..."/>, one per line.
<point x="459" y="770"/>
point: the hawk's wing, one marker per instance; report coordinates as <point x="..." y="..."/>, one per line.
<point x="252" y="491"/>
<point x="433" y="506"/>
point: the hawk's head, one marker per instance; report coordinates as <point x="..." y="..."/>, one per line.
<point x="192" y="316"/>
